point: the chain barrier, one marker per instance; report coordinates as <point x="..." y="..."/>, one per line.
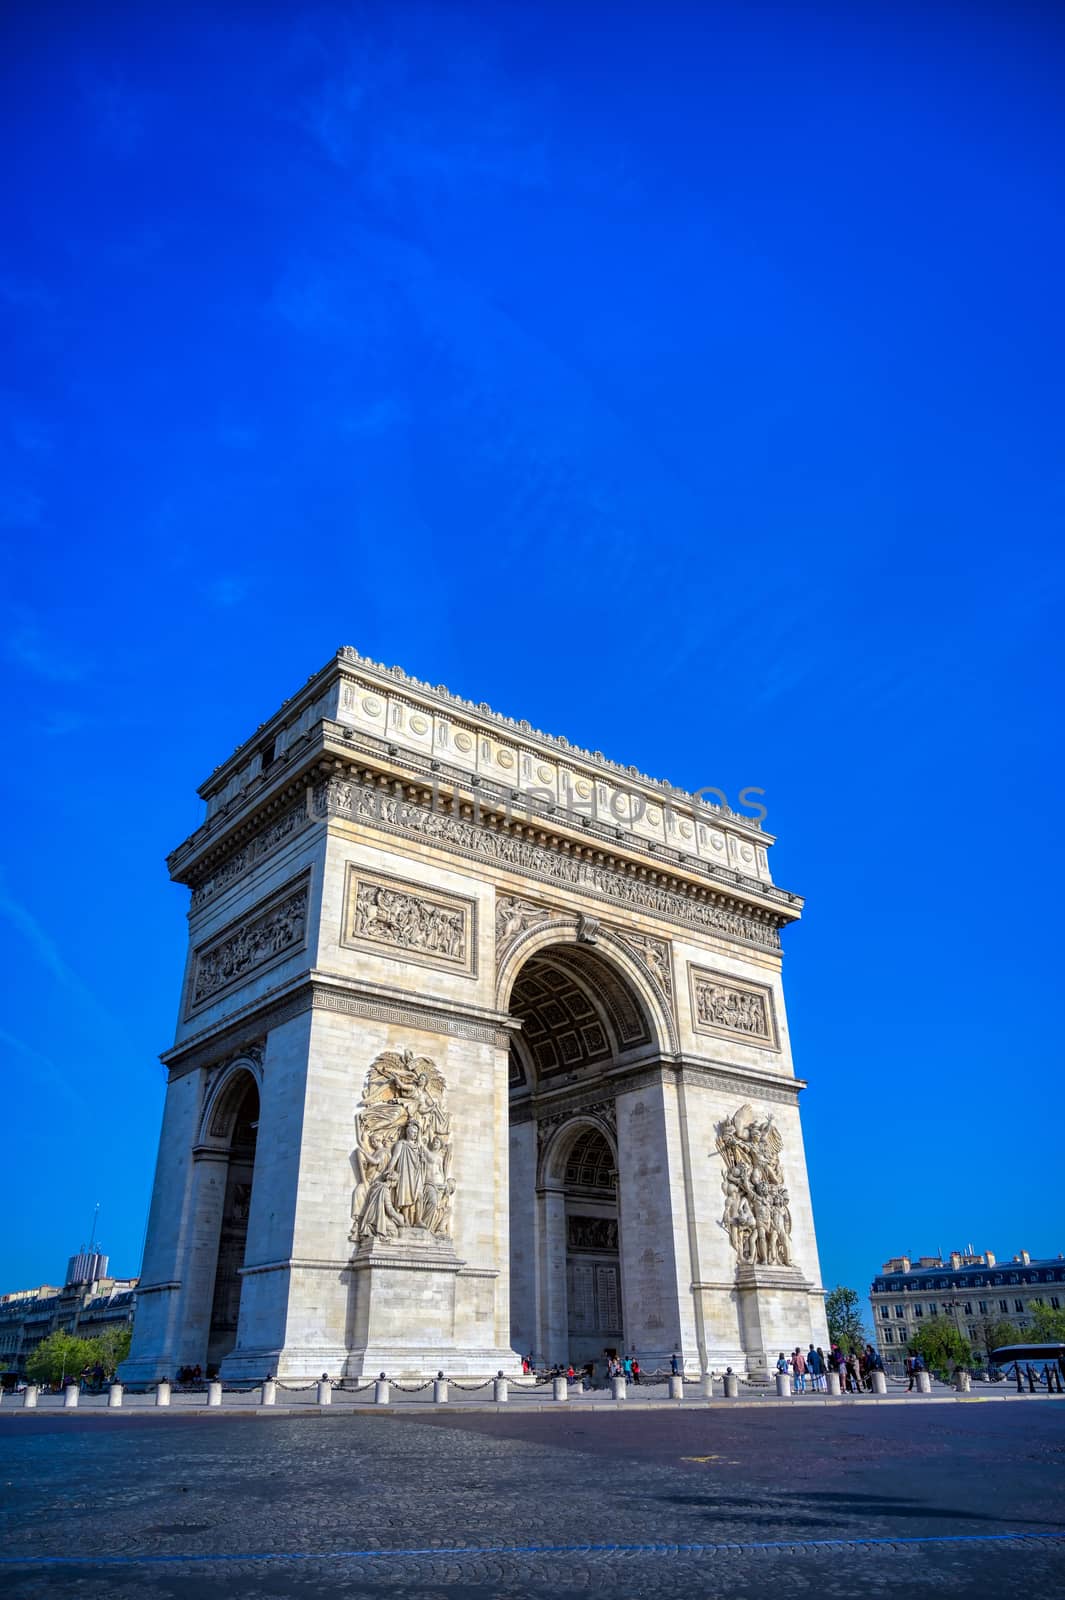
<point x="470" y="1387"/>
<point x="296" y="1388"/>
<point x="349" y="1385"/>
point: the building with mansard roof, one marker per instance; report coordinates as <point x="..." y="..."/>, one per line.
<point x="968" y="1288"/>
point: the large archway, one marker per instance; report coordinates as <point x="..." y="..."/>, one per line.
<point x="236" y="1121"/>
<point x="586" y="1015"/>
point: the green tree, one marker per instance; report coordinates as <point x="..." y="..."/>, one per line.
<point x="845" y="1325"/>
<point x="112" y="1347"/>
<point x="1048" y="1325"/>
<point x="942" y="1346"/>
<point x="61" y="1355"/>
<point x="993" y="1333"/>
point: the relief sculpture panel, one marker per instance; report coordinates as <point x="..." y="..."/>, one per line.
<point x="757" y="1215"/>
<point x="403" y="1152"/>
<point x="275" y="930"/>
<point x="732" y="1009"/>
<point x="395" y="917"/>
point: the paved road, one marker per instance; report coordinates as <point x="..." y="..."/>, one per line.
<point x="744" y="1503"/>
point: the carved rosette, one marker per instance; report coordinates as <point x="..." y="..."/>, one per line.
<point x="757" y="1218"/>
<point x="403" y="1151"/>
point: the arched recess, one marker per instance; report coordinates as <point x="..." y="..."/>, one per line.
<point x="581" y="1300"/>
<point x="590" y="1010"/>
<point x="228" y="1136"/>
<point x="623" y="1015"/>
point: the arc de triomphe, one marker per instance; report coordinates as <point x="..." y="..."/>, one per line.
<point x="482" y="1049"/>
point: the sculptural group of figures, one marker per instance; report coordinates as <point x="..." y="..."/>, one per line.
<point x="412" y="924"/>
<point x="757" y="1218"/>
<point x="403" y="1134"/>
<point x="734" y="1009"/>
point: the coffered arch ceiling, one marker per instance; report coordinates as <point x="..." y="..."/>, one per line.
<point x="577" y="1013"/>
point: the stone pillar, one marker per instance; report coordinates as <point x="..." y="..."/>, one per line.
<point x="162" y="1392"/>
<point x="114" y="1397"/>
<point x="708" y="1386"/>
<point x="440" y="1390"/>
<point x="381" y="1391"/>
<point x="924" y="1383"/>
<point x="617" y="1388"/>
<point x="783" y="1383"/>
<point x="732" y="1386"/>
<point x="554" y="1312"/>
<point x="833" y="1383"/>
<point x="71" y="1397"/>
<point x="561" y="1388"/>
<point x="29" y="1396"/>
<point x="214" y="1393"/>
<point x="269" y="1394"/>
<point x="676" y="1387"/>
<point x="963" y="1381"/>
<point x="879" y="1382"/>
<point x="499" y="1390"/>
<point x="325" y="1391"/>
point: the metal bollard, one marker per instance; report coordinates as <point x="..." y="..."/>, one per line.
<point x="440" y="1390"/>
<point x="618" y="1388"/>
<point x="162" y="1392"/>
<point x="325" y="1391"/>
<point x="879" y="1382"/>
<point x="783" y="1384"/>
<point x="114" y="1397"/>
<point x="499" y="1389"/>
<point x="963" y="1381"/>
<point x="214" y="1393"/>
<point x="561" y="1389"/>
<point x="676" y="1387"/>
<point x="833" y="1384"/>
<point x="71" y="1397"/>
<point x="381" y="1391"/>
<point x="924" y="1383"/>
<point x="29" y="1396"/>
<point x="732" y="1386"/>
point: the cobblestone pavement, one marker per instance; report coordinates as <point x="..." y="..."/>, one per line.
<point x="963" y="1500"/>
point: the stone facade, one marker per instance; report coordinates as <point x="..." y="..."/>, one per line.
<point x="482" y="1050"/>
<point x="974" y="1291"/>
<point x="90" y="1302"/>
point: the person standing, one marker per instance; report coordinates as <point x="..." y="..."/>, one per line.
<point x="798" y="1367"/>
<point x="674" y="1364"/>
<point x="814" y="1368"/>
<point x="635" y="1370"/>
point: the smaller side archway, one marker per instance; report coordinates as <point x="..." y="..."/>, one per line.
<point x="228" y="1137"/>
<point x="579" y="1306"/>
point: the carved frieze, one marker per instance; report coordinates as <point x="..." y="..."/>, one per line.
<point x="403" y="1152"/>
<point x="341" y="797"/>
<point x="275" y="930"/>
<point x="251" y="853"/>
<point x="395" y="917"/>
<point x="591" y="1233"/>
<point x="732" y="1009"/>
<point x="757" y="1217"/>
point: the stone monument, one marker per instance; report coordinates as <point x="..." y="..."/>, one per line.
<point x="482" y="1050"/>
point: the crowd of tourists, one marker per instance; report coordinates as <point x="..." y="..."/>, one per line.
<point x="812" y="1367"/>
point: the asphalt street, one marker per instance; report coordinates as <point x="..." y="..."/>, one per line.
<point x="963" y="1499"/>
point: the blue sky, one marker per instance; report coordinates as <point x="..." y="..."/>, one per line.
<point x="685" y="380"/>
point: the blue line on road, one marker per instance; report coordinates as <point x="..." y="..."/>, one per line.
<point x="729" y="1547"/>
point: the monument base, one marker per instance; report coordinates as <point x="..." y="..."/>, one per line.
<point x="420" y="1311"/>
<point x="774" y="1306"/>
